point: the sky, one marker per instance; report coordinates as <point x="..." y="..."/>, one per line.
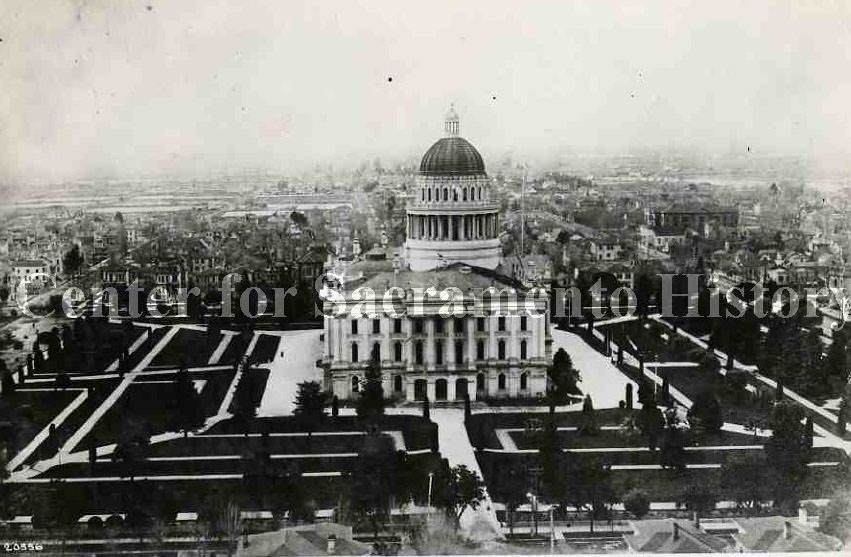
<point x="117" y="88"/>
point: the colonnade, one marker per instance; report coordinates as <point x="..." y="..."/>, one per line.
<point x="453" y="227"/>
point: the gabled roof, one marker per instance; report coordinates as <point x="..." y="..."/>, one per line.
<point x="769" y="533"/>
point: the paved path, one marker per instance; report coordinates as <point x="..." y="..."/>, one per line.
<point x="600" y="378"/>
<point x="19" y="458"/>
<point x="300" y="350"/>
<point x="225" y="406"/>
<point x="220" y="349"/>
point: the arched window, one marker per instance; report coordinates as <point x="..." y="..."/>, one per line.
<point x="480" y="350"/>
<point x="354" y="352"/>
<point x="522" y="349"/>
<point x="355" y="384"/>
<point x="376" y="352"/>
<point x="501" y="380"/>
<point x="480" y="193"/>
<point x="438" y="352"/>
<point x="397" y="351"/>
<point x="459" y="351"/>
<point x="464" y="195"/>
<point x="524" y="381"/>
<point x="480" y="382"/>
<point x="446" y="194"/>
<point x="500" y="347"/>
<point x="422" y="194"/>
<point x="397" y="383"/>
<point x="454" y="195"/>
<point x="429" y="194"/>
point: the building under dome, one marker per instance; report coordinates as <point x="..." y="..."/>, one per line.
<point x="443" y="320"/>
<point x="452" y="217"/>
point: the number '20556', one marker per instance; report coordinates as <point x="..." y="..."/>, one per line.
<point x="22" y="546"/>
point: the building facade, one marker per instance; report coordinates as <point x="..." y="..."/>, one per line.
<point x="444" y="320"/>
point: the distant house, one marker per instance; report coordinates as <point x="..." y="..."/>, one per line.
<point x="324" y="538"/>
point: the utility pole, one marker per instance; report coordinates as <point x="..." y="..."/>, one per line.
<point x="552" y="532"/>
<point x="523" y="213"/>
<point x="428" y="510"/>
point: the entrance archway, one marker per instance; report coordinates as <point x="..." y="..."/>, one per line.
<point x="440" y="389"/>
<point x="460" y="389"/>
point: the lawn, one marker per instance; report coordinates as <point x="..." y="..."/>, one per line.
<point x="266" y="348"/>
<point x="31" y="411"/>
<point x="188" y="347"/>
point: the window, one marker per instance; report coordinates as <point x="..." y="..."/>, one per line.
<point x="480" y="350"/>
<point x="397" y="351"/>
<point x="446" y="194"/>
<point x="397" y="325"/>
<point x="418" y="353"/>
<point x="438" y="325"/>
<point x="376" y="352"/>
<point x="523" y="382"/>
<point x="418" y="326"/>
<point x="354" y="352"/>
<point x="355" y="384"/>
<point x="523" y="323"/>
<point x="459" y="325"/>
<point x="480" y="382"/>
<point x="438" y="352"/>
<point x="500" y="348"/>
<point x="422" y="196"/>
<point x="376" y="326"/>
<point x="522" y="349"/>
<point x="455" y="195"/>
<point x="480" y="193"/>
<point x="459" y="352"/>
<point x="429" y="194"/>
<point x="480" y="324"/>
<point x="354" y="326"/>
<point x="501" y="323"/>
<point x="464" y="196"/>
<point x="501" y="380"/>
<point x="397" y="383"/>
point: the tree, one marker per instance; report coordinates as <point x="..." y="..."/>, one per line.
<point x="836" y="362"/>
<point x="186" y="410"/>
<point x="132" y="447"/>
<point x="787" y="452"/>
<point x="588" y="422"/>
<point x="588" y="486"/>
<point x="310" y="405"/>
<point x="651" y="422"/>
<point x="705" y="414"/>
<point x="744" y="478"/>
<point x="458" y="488"/>
<point x="564" y="376"/>
<point x="672" y="454"/>
<point x="699" y="496"/>
<point x="370" y="403"/>
<point x="72" y="260"/>
<point x="373" y="479"/>
<point x="7" y="382"/>
<point x="836" y="517"/>
<point x="637" y="503"/>
<point x="244" y="404"/>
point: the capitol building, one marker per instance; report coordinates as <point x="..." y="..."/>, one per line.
<point x="448" y="316"/>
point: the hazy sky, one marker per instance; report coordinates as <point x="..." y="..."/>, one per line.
<point x="121" y="87"/>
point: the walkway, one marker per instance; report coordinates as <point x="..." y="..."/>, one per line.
<point x="300" y="351"/>
<point x="600" y="378"/>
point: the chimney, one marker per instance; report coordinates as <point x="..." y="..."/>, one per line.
<point x="332" y="544"/>
<point x="676" y="531"/>
<point x="787" y="530"/>
<point x="696" y="518"/>
<point x="802" y="515"/>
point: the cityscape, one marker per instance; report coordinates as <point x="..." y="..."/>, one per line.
<point x="456" y="312"/>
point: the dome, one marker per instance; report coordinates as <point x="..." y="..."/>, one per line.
<point x="452" y="156"/>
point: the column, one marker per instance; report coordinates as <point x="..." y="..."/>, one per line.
<point x="408" y="328"/>
<point x="470" y="323"/>
<point x="513" y="348"/>
<point x="386" y="345"/>
<point x="430" y="358"/>
<point x="430" y="389"/>
<point x="409" y="389"/>
<point x="540" y="336"/>
<point x="327" y="326"/>
<point x="471" y="389"/>
<point x="450" y="349"/>
<point x="450" y="388"/>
